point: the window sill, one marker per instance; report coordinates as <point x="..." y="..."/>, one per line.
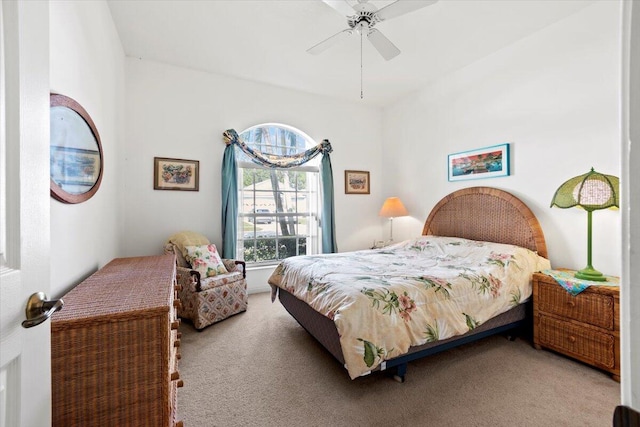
<point x="262" y="266"/>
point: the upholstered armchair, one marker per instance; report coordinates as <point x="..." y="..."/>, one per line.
<point x="208" y="295"/>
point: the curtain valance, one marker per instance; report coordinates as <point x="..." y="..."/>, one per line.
<point x="231" y="137"/>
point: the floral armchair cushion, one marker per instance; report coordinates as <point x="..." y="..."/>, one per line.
<point x="205" y="260"/>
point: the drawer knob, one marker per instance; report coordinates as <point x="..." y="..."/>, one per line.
<point x="177" y="304"/>
<point x="178" y="356"/>
<point x="178" y="287"/>
<point x="179" y="424"/>
<point x="571" y="339"/>
<point x="175" y="324"/>
<point x="571" y="304"/>
<point x="175" y="375"/>
<point x="176" y="343"/>
<point x="179" y="334"/>
<point x="180" y="383"/>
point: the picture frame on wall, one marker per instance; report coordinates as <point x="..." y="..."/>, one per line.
<point x="356" y="182"/>
<point x="486" y="162"/>
<point x="175" y="174"/>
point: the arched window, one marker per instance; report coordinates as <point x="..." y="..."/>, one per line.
<point x="279" y="208"/>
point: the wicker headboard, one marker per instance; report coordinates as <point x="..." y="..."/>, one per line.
<point x="487" y="214"/>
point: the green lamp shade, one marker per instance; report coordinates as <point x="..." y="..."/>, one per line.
<point x="591" y="191"/>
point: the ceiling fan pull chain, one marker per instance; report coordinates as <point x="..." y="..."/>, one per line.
<point x="361" y="93"/>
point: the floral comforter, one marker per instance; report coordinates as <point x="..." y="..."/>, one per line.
<point x="383" y="301"/>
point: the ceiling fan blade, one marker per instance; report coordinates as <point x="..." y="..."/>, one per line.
<point x="341" y="6"/>
<point x="325" y="44"/>
<point x="400" y="7"/>
<point x="387" y="49"/>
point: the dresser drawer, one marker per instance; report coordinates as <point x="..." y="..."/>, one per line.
<point x="583" y="343"/>
<point x="592" y="308"/>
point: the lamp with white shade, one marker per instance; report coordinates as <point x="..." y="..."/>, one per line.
<point x="392" y="208"/>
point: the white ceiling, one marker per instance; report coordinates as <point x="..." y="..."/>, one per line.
<point x="266" y="40"/>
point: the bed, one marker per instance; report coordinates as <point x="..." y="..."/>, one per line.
<point x="466" y="277"/>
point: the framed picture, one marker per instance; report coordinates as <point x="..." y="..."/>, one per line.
<point x="175" y="174"/>
<point x="487" y="162"/>
<point x="356" y="182"/>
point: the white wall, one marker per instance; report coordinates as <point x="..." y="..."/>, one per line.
<point x="87" y="64"/>
<point x="554" y="96"/>
<point x="182" y="113"/>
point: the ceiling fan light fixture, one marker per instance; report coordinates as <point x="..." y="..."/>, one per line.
<point x="362" y="28"/>
<point x="364" y="19"/>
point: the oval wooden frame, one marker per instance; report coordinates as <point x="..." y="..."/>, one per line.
<point x="57" y="100"/>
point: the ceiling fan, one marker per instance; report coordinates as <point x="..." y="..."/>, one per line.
<point x="362" y="18"/>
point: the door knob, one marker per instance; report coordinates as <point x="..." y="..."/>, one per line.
<point x="40" y="309"/>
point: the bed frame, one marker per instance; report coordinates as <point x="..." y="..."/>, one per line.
<point x="477" y="213"/>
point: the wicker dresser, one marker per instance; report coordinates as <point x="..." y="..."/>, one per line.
<point x="114" y="347"/>
<point x="585" y="327"/>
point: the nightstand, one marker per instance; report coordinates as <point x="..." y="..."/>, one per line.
<point x="585" y="327"/>
<point x="379" y="244"/>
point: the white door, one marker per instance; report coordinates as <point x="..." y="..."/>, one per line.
<point x="25" y="354"/>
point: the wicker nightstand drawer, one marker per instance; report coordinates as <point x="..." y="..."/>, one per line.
<point x="580" y="342"/>
<point x="594" y="309"/>
<point x="584" y="326"/>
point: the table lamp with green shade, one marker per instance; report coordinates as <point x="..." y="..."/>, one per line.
<point x="591" y="191"/>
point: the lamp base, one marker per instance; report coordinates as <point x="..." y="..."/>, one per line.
<point x="589" y="273"/>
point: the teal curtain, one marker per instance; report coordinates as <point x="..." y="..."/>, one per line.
<point x="229" y="202"/>
<point x="230" y="188"/>
<point x="329" y="244"/>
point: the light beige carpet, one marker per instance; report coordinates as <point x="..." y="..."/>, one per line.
<point x="260" y="368"/>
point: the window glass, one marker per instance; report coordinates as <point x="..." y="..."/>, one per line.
<point x="278" y="207"/>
